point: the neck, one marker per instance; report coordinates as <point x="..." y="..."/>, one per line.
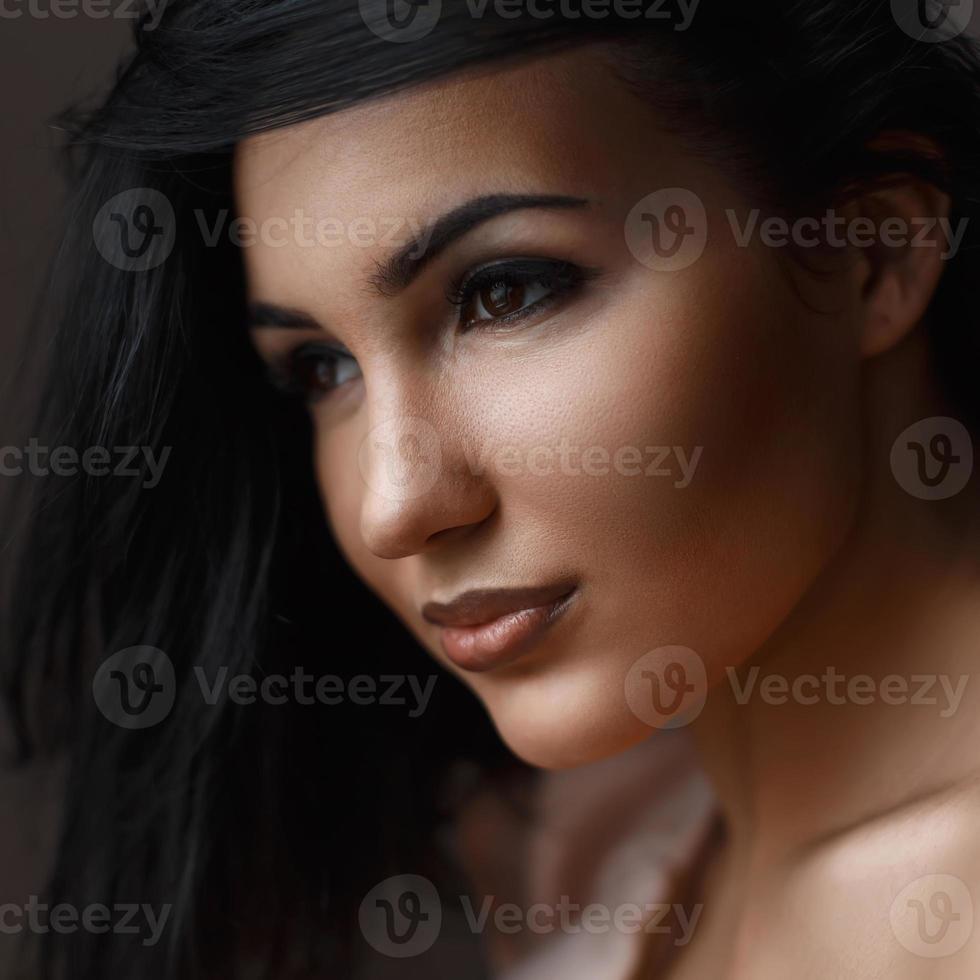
<point x="869" y="705"/>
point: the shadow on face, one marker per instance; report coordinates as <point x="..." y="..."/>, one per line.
<point x="516" y="384"/>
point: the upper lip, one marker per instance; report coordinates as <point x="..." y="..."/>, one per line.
<point x="479" y="606"/>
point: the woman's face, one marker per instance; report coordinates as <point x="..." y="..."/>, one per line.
<point x="664" y="449"/>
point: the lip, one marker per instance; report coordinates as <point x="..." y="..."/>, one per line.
<point x="487" y="628"/>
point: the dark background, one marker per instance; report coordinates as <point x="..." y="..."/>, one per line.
<point x="45" y="65"/>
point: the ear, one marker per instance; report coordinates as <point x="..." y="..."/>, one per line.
<point x="900" y="271"/>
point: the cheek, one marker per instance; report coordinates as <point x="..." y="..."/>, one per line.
<point x="737" y="409"/>
<point x="760" y="398"/>
<point x="710" y="443"/>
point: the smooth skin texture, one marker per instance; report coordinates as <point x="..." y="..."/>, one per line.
<point x="792" y="547"/>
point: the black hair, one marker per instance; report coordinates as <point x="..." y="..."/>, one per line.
<point x="264" y="826"/>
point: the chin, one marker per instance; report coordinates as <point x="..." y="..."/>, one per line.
<point x="562" y="718"/>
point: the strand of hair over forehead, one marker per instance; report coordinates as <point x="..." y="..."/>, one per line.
<point x="214" y="71"/>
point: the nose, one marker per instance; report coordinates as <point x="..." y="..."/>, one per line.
<point x="419" y="489"/>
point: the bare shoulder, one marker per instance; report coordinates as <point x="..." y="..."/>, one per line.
<point x="898" y="897"/>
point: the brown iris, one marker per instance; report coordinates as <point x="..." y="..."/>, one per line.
<point x="502" y="298"/>
<point x="314" y="370"/>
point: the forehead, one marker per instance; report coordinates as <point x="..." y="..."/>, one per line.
<point x="489" y="119"/>
<point x="561" y="124"/>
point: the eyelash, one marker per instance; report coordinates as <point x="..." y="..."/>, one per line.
<point x="286" y="373"/>
<point x="560" y="278"/>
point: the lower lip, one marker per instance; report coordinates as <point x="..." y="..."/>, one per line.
<point x="501" y="641"/>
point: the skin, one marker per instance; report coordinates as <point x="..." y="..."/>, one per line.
<point x="792" y="547"/>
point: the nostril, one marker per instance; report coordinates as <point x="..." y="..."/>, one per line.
<point x="387" y="534"/>
<point x="479" y="512"/>
<point x="393" y="528"/>
<point x="449" y="533"/>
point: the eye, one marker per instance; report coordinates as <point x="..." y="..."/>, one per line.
<point x="510" y="291"/>
<point x="314" y="370"/>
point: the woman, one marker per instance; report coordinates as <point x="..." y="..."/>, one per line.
<point x="630" y="362"/>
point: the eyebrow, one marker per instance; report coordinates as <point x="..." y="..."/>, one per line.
<point x="281" y="317"/>
<point x="398" y="272"/>
<point x="395" y="274"/>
